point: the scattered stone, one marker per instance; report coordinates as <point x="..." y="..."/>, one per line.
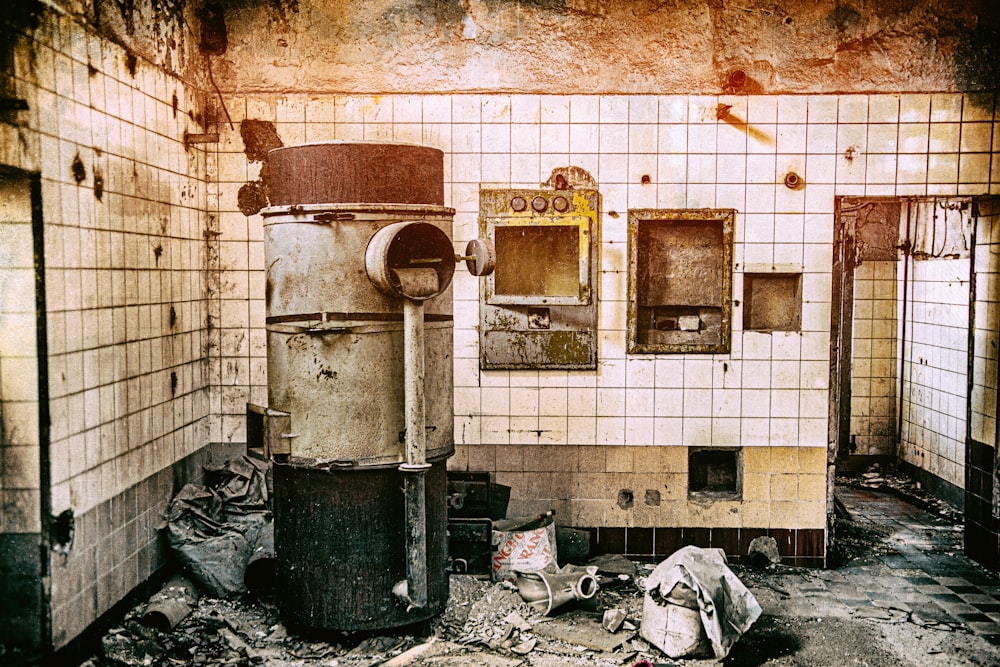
<point x="763" y="551"/>
<point x="516" y="621"/>
<point x="487" y="624"/>
<point x="418" y="652"/>
<point x="124" y="651"/>
<point x="613" y="620"/>
<point x="234" y="642"/>
<point x="890" y="479"/>
<point x="525" y="647"/>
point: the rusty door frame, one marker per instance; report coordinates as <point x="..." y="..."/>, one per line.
<point x="33" y="181"/>
<point x="841" y="335"/>
<point x="848" y="254"/>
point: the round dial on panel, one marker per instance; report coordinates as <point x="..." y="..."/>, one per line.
<point x="539" y="203"/>
<point x="518" y="204"/>
<point x="560" y="204"/>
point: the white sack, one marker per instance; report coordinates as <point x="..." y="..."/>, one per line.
<point x="704" y="583"/>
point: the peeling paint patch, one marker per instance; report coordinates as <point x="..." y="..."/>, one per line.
<point x="281" y="10"/>
<point x="214" y="35"/>
<point x="78" y="170"/>
<point x="844" y="18"/>
<point x="570" y="178"/>
<point x="252" y="197"/>
<point x="259" y="137"/>
<point x="98" y="184"/>
<point x="976" y="57"/>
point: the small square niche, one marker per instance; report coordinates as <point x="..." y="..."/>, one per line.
<point x="715" y="473"/>
<point x="772" y="302"/>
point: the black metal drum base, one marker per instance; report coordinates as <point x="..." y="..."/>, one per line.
<point x="340" y="546"/>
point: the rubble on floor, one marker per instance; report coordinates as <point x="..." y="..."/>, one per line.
<point x="898" y="599"/>
<point x="488" y="619"/>
<point x="889" y="478"/>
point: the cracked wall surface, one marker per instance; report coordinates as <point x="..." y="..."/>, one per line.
<point x="585" y="46"/>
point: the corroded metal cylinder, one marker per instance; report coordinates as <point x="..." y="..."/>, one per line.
<point x="340" y="544"/>
<point x="335" y="348"/>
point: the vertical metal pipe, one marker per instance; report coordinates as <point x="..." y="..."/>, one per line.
<point x="413" y="368"/>
<point x="907" y="247"/>
<point x="416" y="454"/>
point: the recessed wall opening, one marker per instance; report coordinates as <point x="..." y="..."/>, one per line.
<point x="680" y="280"/>
<point x="772" y="302"/>
<point x="715" y="472"/>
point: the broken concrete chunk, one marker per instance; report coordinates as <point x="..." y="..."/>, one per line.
<point x="613" y="619"/>
<point x="614" y="564"/>
<point x="763" y="551"/>
<point x="525" y="647"/>
<point x="123" y="651"/>
<point x="516" y="621"/>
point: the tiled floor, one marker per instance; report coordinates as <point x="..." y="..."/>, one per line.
<point x="926" y="580"/>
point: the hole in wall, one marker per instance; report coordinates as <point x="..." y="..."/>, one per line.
<point x="772" y="301"/>
<point x="715" y="473"/>
<point x="626" y="499"/>
<point x="78" y="170"/>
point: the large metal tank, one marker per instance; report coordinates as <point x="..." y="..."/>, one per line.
<point x="336" y="428"/>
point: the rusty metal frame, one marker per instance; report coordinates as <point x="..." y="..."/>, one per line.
<point x="582" y="215"/>
<point x="635" y="219"/>
<point x="564" y="335"/>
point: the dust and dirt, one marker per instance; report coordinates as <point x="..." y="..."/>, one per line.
<point x="811" y="618"/>
<point x="487" y="624"/>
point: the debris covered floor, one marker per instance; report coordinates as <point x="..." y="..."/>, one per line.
<point x="903" y="594"/>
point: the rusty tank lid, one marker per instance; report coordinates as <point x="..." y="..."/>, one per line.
<point x="336" y="172"/>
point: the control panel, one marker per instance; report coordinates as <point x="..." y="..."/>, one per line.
<point x="539" y="307"/>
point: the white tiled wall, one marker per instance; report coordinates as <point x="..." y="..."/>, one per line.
<point x="538" y="430"/>
<point x="987" y="322"/>
<point x="936" y="365"/>
<point x="874" y="359"/>
<point x="19" y="477"/>
<point x="126" y="381"/>
<point x="123" y="212"/>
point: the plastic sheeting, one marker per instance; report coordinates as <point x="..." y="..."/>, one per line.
<point x="215" y="531"/>
<point x="693" y="583"/>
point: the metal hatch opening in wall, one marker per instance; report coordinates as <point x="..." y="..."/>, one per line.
<point x="539" y="308"/>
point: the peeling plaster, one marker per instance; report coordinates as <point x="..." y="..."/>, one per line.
<point x="585" y="46"/>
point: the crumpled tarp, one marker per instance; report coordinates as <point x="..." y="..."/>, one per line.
<point x="699" y="578"/>
<point x="214" y="531"/>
